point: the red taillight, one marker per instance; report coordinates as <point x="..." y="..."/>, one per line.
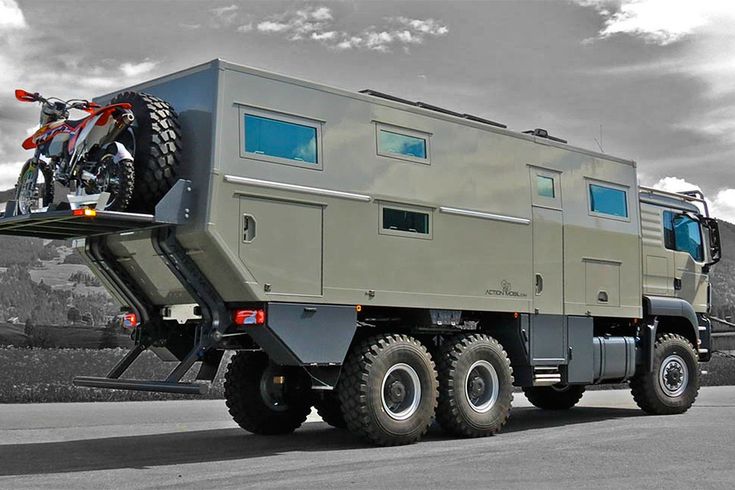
<point x="248" y="317"/>
<point x="130" y="320"/>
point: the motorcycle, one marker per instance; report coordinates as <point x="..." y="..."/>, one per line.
<point x="87" y="155"/>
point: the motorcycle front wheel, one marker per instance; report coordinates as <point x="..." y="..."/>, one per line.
<point x="28" y="191"/>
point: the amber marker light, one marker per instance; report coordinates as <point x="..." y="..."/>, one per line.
<point x="86" y="212"/>
<point x="358" y="308"/>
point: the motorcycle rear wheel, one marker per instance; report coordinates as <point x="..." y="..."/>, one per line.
<point x="118" y="179"/>
<point x="28" y="191"/>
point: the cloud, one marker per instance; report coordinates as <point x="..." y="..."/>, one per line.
<point x="224" y="16"/>
<point x="722" y="206"/>
<point x="11" y="16"/>
<point x="245" y="27"/>
<point x="318" y="24"/>
<point x="136" y="69"/>
<point x="659" y="22"/>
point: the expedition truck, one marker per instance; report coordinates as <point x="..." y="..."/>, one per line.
<point x="392" y="262"/>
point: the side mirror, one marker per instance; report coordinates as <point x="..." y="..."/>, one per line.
<point x="715" y="248"/>
<point x="24" y="96"/>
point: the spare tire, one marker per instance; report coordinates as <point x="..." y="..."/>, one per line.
<point x="154" y="139"/>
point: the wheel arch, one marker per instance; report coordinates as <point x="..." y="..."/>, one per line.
<point x="667" y="315"/>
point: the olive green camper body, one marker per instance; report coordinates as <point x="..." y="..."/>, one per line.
<point x="494" y="241"/>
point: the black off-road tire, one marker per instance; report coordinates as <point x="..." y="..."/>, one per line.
<point x="554" y="397"/>
<point x="46" y="190"/>
<point x="125" y="196"/>
<point x="48" y="186"/>
<point x="157" y="148"/>
<point x="329" y="408"/>
<point x="247" y="405"/>
<point x="361" y="389"/>
<point x="473" y="361"/>
<point x="647" y="388"/>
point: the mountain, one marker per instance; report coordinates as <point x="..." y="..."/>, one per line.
<point x="723" y="274"/>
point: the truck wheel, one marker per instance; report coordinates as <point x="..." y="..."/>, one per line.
<point x="330" y="410"/>
<point x="475" y="385"/>
<point x="554" y="397"/>
<point x="673" y="385"/>
<point x="388" y="390"/>
<point x="154" y="140"/>
<point x="264" y="398"/>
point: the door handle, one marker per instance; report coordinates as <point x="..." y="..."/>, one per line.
<point x="539" y="284"/>
<point x="677" y="284"/>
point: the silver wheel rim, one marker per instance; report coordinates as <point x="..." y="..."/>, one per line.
<point x="400" y="392"/>
<point x="481" y="386"/>
<point x="673" y="376"/>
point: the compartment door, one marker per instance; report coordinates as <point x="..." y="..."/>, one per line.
<point x="281" y="245"/>
<point x="547" y="223"/>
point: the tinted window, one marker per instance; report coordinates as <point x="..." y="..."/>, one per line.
<point x="401" y="144"/>
<point x="606" y="200"/>
<point x="545" y="186"/>
<point x="683" y="234"/>
<point x="280" y="139"/>
<point x="402" y="220"/>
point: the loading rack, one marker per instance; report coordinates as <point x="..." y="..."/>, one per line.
<point x="95" y="226"/>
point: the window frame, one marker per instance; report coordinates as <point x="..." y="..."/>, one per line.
<point x="288" y="119"/>
<point x="408" y="208"/>
<point x="413" y="133"/>
<point x="609" y="185"/>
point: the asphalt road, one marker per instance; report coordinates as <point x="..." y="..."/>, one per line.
<point x="606" y="442"/>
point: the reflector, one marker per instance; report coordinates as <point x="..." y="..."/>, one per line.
<point x="248" y="317"/>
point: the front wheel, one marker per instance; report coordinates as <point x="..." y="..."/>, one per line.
<point x="28" y="192"/>
<point x="673" y="384"/>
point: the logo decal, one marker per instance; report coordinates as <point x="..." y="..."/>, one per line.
<point x="506" y="289"/>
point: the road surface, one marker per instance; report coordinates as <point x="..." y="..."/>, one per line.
<point x="606" y="442"/>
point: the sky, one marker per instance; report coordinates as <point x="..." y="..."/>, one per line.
<point x="648" y="80"/>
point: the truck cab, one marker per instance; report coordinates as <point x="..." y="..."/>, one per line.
<point x="680" y="243"/>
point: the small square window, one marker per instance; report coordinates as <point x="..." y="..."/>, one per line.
<point x="545" y="186"/>
<point x="608" y="200"/>
<point x="406" y="222"/>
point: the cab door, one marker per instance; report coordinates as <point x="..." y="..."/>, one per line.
<point x="683" y="235"/>
<point x="547" y="236"/>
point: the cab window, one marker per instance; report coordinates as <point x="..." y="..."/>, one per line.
<point x="683" y="234"/>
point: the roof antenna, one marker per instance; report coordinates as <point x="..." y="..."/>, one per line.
<point x="599" y="142"/>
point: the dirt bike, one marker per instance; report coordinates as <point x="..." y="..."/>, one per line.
<point x="128" y="150"/>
